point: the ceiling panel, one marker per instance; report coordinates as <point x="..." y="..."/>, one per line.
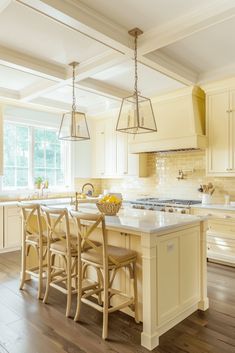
<point x="206" y="50"/>
<point x="92" y="102"/>
<point x="42" y="37"/>
<point x="145" y="14"/>
<point x="17" y="80"/>
<point x="150" y="82"/>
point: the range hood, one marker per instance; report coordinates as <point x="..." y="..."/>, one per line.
<point x="180" y="118"/>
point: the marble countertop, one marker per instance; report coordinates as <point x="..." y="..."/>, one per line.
<point x="142" y="221"/>
<point x="216" y="207"/>
<point x="50" y="201"/>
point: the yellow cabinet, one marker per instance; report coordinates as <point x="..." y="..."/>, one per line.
<point x="220" y="234"/>
<point x="112" y="157"/>
<point x="12" y="227"/>
<point x="221" y="132"/>
<point x="1" y="228"/>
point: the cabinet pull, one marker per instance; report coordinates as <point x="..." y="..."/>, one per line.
<point x="228" y="169"/>
<point x="227" y="216"/>
<point x="209" y="214"/>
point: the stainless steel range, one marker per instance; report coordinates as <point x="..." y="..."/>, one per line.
<point x="169" y="205"/>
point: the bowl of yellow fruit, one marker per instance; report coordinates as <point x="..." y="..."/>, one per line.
<point x="109" y="205"/>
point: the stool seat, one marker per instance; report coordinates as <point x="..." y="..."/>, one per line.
<point x="61" y="245"/>
<point x="115" y="255"/>
<point x="34" y="238"/>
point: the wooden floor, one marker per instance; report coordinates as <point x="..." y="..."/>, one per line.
<point x="29" y="326"/>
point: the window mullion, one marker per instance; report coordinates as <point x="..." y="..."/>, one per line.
<point x="31" y="157"/>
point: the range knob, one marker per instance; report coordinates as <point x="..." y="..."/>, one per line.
<point x="151" y="208"/>
<point x="163" y="209"/>
<point x="171" y="210"/>
<point x="183" y="211"/>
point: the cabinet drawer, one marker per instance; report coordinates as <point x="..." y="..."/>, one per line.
<point x="12" y="211"/>
<point x="221" y="239"/>
<point x="221" y="226"/>
<point x="214" y="214"/>
<point x="221" y="251"/>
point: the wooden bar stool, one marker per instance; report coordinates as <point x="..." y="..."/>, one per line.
<point x="62" y="255"/>
<point x="107" y="260"/>
<point x="33" y="236"/>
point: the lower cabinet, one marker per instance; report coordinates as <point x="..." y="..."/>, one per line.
<point x="220" y="234"/>
<point x="12" y="228"/>
<point x="1" y="228"/>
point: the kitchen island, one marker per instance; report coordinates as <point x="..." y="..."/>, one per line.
<point x="171" y="265"/>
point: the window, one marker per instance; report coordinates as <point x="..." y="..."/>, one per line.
<point x="32" y="152"/>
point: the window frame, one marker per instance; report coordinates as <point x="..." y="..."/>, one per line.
<point x="67" y="162"/>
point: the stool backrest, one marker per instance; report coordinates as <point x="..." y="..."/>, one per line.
<point x="86" y="224"/>
<point x="57" y="221"/>
<point x="33" y="223"/>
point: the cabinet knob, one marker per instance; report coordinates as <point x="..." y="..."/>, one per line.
<point x="227" y="216"/>
<point x="228" y="169"/>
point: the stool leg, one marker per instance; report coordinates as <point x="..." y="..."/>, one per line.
<point x="79" y="290"/>
<point x="135" y="293"/>
<point x="106" y="303"/>
<point x="69" y="286"/>
<point x="40" y="270"/>
<point x="49" y="256"/>
<point x="23" y="265"/>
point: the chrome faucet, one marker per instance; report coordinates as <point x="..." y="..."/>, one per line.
<point x="75" y="202"/>
<point x="90" y="192"/>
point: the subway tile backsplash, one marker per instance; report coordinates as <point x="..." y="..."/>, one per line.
<point x="163" y="170"/>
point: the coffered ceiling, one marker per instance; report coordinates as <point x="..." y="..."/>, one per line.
<point x="185" y="42"/>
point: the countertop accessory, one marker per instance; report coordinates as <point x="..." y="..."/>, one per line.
<point x="109" y="205"/>
<point x="89" y="192"/>
<point x="136" y="114"/>
<point x="109" y="208"/>
<point x="73" y="125"/>
<point x="207" y="191"/>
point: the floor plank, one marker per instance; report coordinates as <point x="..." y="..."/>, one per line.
<point x="29" y="326"/>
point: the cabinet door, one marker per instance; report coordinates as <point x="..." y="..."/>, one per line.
<point x="110" y="148"/>
<point x="12" y="227"/>
<point x="122" y="154"/>
<point x="99" y="150"/>
<point x="1" y="228"/>
<point x="232" y="130"/>
<point x="218" y="133"/>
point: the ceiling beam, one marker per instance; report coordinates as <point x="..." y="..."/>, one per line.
<point x="36" y="89"/>
<point x="85" y="70"/>
<point x="98" y="64"/>
<point x="77" y="16"/>
<point x="52" y="103"/>
<point x="9" y="93"/>
<point x="80" y="17"/>
<point x="103" y="88"/>
<point x="165" y="64"/>
<point x="23" y="62"/>
<point x="205" y="17"/>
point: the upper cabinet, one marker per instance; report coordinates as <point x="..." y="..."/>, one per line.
<point x="111" y="155"/>
<point x="220" y="114"/>
<point x="1" y="140"/>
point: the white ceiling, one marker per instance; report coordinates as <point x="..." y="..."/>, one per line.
<point x="207" y="50"/>
<point x="38" y="35"/>
<point x="185" y="42"/>
<point x="150" y="82"/>
<point x="13" y="79"/>
<point x="145" y="14"/>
